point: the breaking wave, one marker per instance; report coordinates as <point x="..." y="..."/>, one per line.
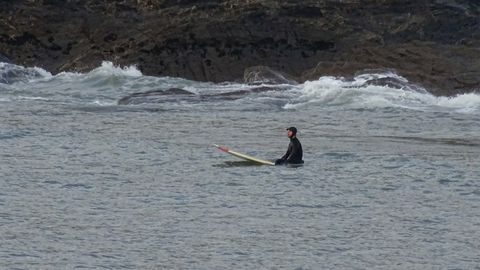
<point x="10" y="73"/>
<point x="108" y="84"/>
<point x="377" y="90"/>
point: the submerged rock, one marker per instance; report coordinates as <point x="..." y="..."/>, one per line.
<point x="152" y="96"/>
<point x="176" y="95"/>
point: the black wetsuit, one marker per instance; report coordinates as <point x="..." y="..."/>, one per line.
<point x="294" y="153"/>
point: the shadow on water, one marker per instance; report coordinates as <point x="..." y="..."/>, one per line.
<point x="228" y="164"/>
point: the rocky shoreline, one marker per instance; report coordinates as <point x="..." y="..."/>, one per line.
<point x="432" y="43"/>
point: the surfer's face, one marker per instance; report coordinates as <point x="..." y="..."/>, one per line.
<point x="289" y="133"/>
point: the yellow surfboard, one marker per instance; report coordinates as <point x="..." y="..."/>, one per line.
<point x="244" y="156"/>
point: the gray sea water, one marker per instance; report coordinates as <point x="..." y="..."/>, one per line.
<point x="391" y="177"/>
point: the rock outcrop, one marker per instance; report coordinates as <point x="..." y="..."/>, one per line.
<point x="266" y="75"/>
<point x="4" y="59"/>
<point x="176" y="94"/>
<point x="434" y="43"/>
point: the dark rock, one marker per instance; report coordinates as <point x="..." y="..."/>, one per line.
<point x="152" y="96"/>
<point x="432" y="43"/>
<point x="441" y="69"/>
<point x="266" y="75"/>
<point x="4" y="59"/>
<point x="176" y="94"/>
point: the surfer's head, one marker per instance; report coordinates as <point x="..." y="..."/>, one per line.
<point x="291" y="131"/>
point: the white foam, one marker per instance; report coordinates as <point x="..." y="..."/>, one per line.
<point x="460" y="101"/>
<point x="10" y="73"/>
<point x="33" y="98"/>
<point x="109" y="69"/>
<point x="104" y="103"/>
<point x="360" y="93"/>
<point x="465" y="103"/>
<point x="106" y="70"/>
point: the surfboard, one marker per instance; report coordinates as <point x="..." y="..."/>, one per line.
<point x="244" y="156"/>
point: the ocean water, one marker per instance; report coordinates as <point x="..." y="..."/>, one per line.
<point x="391" y="177"/>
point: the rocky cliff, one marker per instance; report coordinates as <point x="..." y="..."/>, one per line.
<point x="433" y="43"/>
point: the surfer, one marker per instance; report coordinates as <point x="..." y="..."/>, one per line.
<point x="294" y="152"/>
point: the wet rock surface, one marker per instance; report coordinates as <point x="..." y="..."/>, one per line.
<point x="432" y="43"/>
<point x="177" y="94"/>
<point x="266" y="75"/>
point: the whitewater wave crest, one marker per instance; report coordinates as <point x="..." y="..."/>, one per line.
<point x="109" y="69"/>
<point x="10" y="73"/>
<point x="106" y="73"/>
<point x="109" y="83"/>
<point x="466" y="103"/>
<point x="377" y="90"/>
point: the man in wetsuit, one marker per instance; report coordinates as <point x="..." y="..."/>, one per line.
<point x="294" y="152"/>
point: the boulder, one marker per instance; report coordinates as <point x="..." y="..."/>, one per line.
<point x="266" y="75"/>
<point x="153" y="96"/>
